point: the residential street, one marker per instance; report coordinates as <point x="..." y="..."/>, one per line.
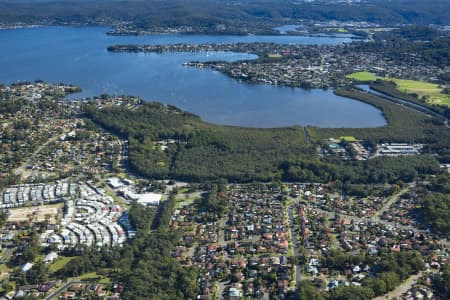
<point x="387" y="204"/>
<point x="295" y="243"/>
<point x="401" y="289"/>
<point x="56" y="293"/>
<point x="21" y="170"/>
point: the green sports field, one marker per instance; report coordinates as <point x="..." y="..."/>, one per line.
<point x="362" y="76"/>
<point x="431" y="91"/>
<point x="350" y="139"/>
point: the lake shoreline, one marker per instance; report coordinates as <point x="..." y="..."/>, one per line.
<point x="213" y="96"/>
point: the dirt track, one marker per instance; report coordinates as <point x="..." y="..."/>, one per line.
<point x="35" y="213"/>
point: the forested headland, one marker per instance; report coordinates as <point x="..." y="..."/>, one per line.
<point x="199" y="151"/>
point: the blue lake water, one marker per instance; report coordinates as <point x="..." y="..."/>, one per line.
<point x="78" y="55"/>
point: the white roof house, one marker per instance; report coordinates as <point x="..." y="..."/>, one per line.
<point x="50" y="257"/>
<point x="27" y="267"/>
<point x="115" y="182"/>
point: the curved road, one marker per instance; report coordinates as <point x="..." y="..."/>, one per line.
<point x="64" y="287"/>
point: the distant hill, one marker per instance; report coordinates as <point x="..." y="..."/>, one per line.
<point x="148" y="13"/>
